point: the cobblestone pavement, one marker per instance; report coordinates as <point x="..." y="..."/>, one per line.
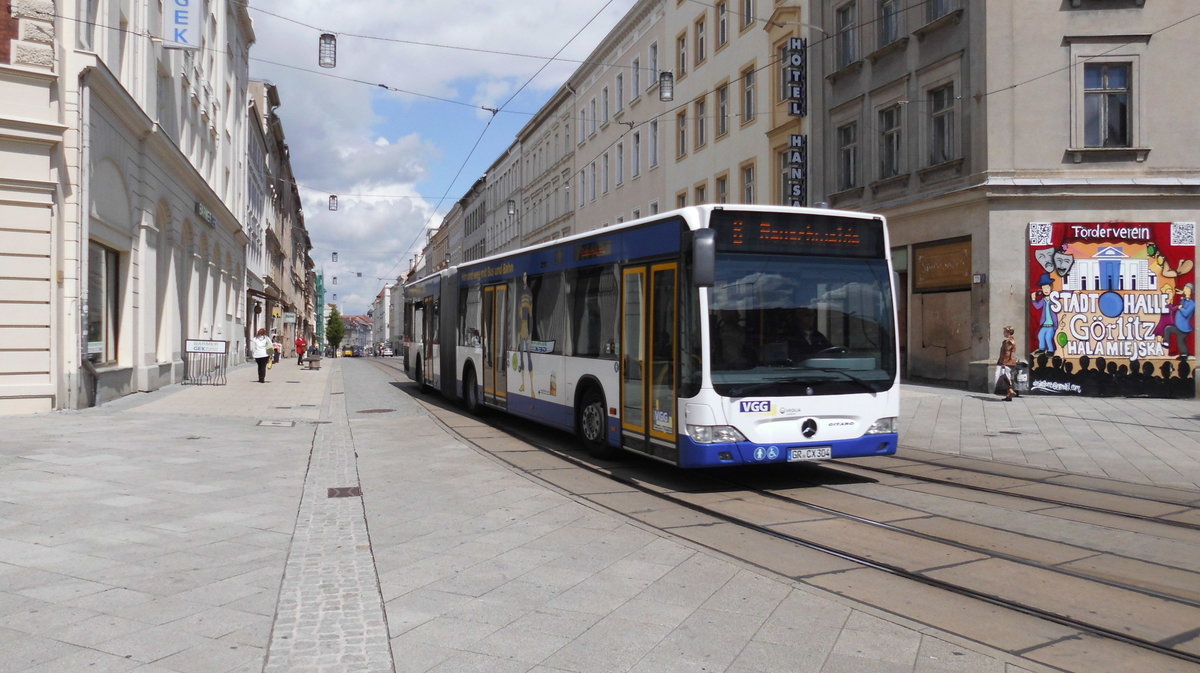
<point x="330" y="614"/>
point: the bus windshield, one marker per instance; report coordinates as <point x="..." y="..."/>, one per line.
<point x="788" y="324"/>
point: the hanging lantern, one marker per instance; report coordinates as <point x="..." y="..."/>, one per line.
<point x="666" y="86"/>
<point x="335" y="256"/>
<point x="512" y="207"/>
<point x="335" y="280"/>
<point x="333" y="201"/>
<point x="327" y="51"/>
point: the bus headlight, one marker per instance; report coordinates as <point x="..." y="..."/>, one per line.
<point x="883" y="426"/>
<point x="714" y="434"/>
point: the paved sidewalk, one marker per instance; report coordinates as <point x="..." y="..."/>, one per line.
<point x="193" y="530"/>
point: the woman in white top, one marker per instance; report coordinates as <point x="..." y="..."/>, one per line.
<point x="261" y="350"/>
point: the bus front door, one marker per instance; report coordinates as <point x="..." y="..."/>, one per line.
<point x="494" y="321"/>
<point x="649" y="358"/>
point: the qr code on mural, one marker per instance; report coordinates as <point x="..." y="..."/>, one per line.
<point x="1039" y="233"/>
<point x="1183" y="233"/>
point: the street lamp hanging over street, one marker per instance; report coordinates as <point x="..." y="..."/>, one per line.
<point x="327" y="51"/>
<point x="333" y="201"/>
<point x="666" y="86"/>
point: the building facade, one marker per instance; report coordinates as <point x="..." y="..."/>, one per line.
<point x="982" y="130"/>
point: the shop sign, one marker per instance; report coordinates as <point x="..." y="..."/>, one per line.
<point x="1111" y="308"/>
<point x="795" y="72"/>
<point x="942" y="267"/>
<point x="181" y="24"/>
<point x="205" y="214"/>
<point x="289" y="317"/>
<point x="797" y="167"/>
<point x="205" y="346"/>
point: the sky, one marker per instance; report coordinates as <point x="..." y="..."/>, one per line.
<point x="391" y="154"/>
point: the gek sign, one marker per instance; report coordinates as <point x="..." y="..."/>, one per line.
<point x="182" y="21"/>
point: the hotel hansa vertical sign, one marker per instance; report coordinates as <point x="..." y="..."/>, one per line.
<point x="795" y="72"/>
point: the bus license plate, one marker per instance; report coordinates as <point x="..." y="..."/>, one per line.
<point x="810" y="453"/>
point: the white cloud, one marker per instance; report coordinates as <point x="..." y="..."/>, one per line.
<point x="342" y="141"/>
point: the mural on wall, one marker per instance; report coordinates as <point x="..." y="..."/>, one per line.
<point x="1112" y="308"/>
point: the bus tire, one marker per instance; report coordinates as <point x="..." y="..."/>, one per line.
<point x="592" y="424"/>
<point x="470" y="392"/>
<point x="421" y="378"/>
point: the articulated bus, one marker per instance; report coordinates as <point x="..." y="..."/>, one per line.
<point x="706" y="336"/>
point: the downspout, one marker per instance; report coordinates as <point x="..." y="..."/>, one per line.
<point x="87" y="370"/>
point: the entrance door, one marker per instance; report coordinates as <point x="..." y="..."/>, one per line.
<point x="649" y="357"/>
<point x="495" y="344"/>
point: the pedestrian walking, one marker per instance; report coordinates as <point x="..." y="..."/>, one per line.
<point x="261" y="350"/>
<point x="1006" y="366"/>
<point x="276" y="348"/>
<point x="301" y="346"/>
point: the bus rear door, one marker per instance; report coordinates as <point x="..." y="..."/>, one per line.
<point x="649" y="358"/>
<point x="495" y="344"/>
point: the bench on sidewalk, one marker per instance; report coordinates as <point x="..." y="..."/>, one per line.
<point x="313" y="361"/>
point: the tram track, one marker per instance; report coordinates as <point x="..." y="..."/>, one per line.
<point x="804" y="523"/>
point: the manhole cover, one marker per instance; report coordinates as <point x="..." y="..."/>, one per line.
<point x="345" y="492"/>
<point x="277" y="424"/>
<point x="375" y="411"/>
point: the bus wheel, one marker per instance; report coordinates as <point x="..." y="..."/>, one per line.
<point x="421" y="378"/>
<point x="470" y="392"/>
<point x="593" y="425"/>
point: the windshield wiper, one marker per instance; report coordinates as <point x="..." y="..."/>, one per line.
<point x="761" y="385"/>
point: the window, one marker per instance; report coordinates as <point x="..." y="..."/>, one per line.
<point x="653" y="143"/>
<point x="701" y="193"/>
<point x="582" y="124"/>
<point x="637" y="213"/>
<point x="889" y="22"/>
<point x="936" y="9"/>
<point x="701" y="41"/>
<point x="941" y="124"/>
<point x="654" y="207"/>
<point x="636" y="159"/>
<point x="681" y="56"/>
<point x="635" y="71"/>
<point x="604" y="104"/>
<point x="847" y="138"/>
<point x="549" y="310"/>
<point x="681" y="200"/>
<point x="604" y="179"/>
<point x="594" y="315"/>
<point x="722" y="24"/>
<point x="620" y="92"/>
<point x="722" y="189"/>
<point x="681" y="133"/>
<point x="722" y="110"/>
<point x="620" y="164"/>
<point x="701" y="139"/>
<point x="846" y="37"/>
<point x="747" y="13"/>
<point x="889" y="142"/>
<point x="582" y="189"/>
<point x="103" y="302"/>
<point x="653" y="65"/>
<point x="748" y="183"/>
<point x="592" y="179"/>
<point x="784" y="173"/>
<point x="748" y="95"/>
<point x="594" y="118"/>
<point x="1106" y="108"/>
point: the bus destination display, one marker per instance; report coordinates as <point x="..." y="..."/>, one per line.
<point x="797" y="234"/>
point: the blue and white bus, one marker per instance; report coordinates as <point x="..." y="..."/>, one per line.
<point x="705" y="336"/>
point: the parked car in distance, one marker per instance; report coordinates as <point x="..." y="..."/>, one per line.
<point x="348" y="352"/>
<point x="386" y="351"/>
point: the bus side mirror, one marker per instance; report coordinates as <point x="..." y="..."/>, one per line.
<point x="704" y="257"/>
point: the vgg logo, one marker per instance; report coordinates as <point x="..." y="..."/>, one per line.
<point x="754" y="406"/>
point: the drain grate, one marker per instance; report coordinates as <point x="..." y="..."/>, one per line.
<point x="345" y="492"/>
<point x="375" y="411"/>
<point x="277" y="424"/>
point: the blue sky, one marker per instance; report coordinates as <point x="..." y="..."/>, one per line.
<point x="372" y="146"/>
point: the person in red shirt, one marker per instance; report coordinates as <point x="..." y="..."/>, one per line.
<point x="301" y="346"/>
